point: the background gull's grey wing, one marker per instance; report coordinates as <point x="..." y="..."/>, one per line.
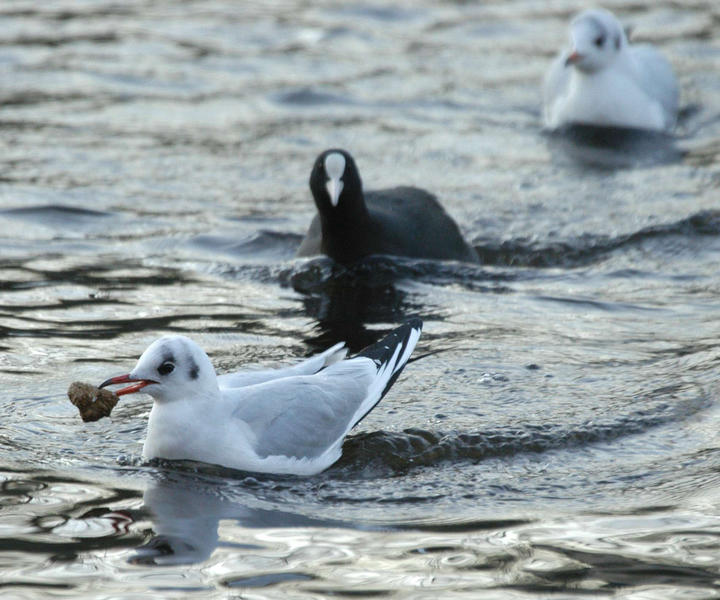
<point x="555" y="85"/>
<point x="307" y="367"/>
<point x="305" y="416"/>
<point x="656" y="78"/>
<point x="311" y="244"/>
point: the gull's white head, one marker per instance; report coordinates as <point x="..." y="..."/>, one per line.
<point x="334" y="169"/>
<point x="171" y="368"/>
<point x="597" y="39"/>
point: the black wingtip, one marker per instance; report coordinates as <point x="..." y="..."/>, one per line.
<point x="414" y="323"/>
<point x="383" y="350"/>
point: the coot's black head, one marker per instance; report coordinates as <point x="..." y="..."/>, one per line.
<point x="335" y="182"/>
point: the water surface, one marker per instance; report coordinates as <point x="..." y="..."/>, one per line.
<point x="559" y="437"/>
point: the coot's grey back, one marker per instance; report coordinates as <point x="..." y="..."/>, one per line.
<point x="408" y="221"/>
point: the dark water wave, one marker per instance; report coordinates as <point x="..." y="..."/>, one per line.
<point x="105" y="329"/>
<point x="261" y="243"/>
<point x="309" y="97"/>
<point x="618" y="571"/>
<point x="228" y="321"/>
<point x="588" y="249"/>
<point x="399" y="452"/>
<point x="55" y="212"/>
<point x="317" y="274"/>
<point x="108" y="286"/>
<point x="98" y="275"/>
<point x="382" y="453"/>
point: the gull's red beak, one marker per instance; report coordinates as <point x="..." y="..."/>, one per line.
<point x="131" y="389"/>
<point x="573" y="58"/>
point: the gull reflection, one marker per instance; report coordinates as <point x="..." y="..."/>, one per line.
<point x="186" y="510"/>
<point x="612" y="147"/>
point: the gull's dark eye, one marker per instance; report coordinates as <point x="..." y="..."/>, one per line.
<point x="166" y="368"/>
<point x="600" y="41"/>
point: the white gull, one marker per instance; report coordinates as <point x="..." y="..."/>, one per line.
<point x="286" y="421"/>
<point x="603" y="80"/>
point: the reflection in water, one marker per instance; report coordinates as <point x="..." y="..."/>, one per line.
<point x="343" y="300"/>
<point x="186" y="511"/>
<point x="613" y="147"/>
<point x="81" y="538"/>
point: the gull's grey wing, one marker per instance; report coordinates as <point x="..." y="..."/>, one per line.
<point x="656" y="77"/>
<point x="303" y="416"/>
<point x="307" y="367"/>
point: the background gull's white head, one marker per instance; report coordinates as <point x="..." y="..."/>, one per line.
<point x="596" y="38"/>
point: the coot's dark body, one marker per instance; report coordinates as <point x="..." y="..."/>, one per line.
<point x="402" y="221"/>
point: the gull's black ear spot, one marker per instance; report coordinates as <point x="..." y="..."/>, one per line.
<point x="194" y="371"/>
<point x="618" y="42"/>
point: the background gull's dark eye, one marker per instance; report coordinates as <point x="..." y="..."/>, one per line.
<point x="166" y="368"/>
<point x="600" y="41"/>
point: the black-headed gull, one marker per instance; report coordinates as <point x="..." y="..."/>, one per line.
<point x="603" y="80"/>
<point x="285" y="421"/>
<point x="352" y="224"/>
